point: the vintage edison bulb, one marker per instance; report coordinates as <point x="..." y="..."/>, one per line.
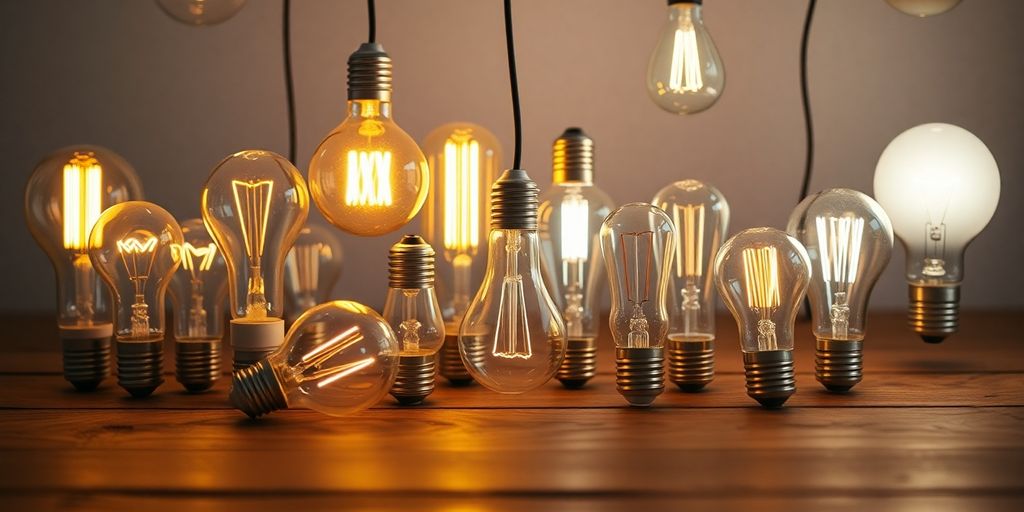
<point x="685" y="75"/>
<point x="923" y="8"/>
<point x="201" y="12"/>
<point x="63" y="199"/>
<point x="311" y="269"/>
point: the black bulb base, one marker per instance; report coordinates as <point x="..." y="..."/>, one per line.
<point x="198" y="364"/>
<point x="771" y="379"/>
<point x="838" y="364"/>
<point x="640" y="374"/>
<point x="86" y="361"/>
<point x="256" y="390"/>
<point x="691" y="364"/>
<point x="140" y="366"/>
<point x="579" y="364"/>
<point x="415" y="379"/>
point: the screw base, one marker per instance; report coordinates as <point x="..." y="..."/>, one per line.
<point x="140" y="366"/>
<point x="691" y="364"/>
<point x="256" y="390"/>
<point x="770" y="377"/>
<point x="838" y="365"/>
<point x="934" y="311"/>
<point x="86" y="361"/>
<point x="246" y="358"/>
<point x="415" y="379"/>
<point x="640" y="374"/>
<point x="452" y="367"/>
<point x="198" y="364"/>
<point x="580" y="363"/>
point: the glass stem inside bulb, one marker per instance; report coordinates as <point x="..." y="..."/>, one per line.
<point x="573" y="314"/>
<point x="256" y="301"/>
<point x="197" y="311"/>
<point x="83" y="288"/>
<point x="689" y="301"/>
<point x="512" y="336"/>
<point x="409" y="329"/>
<point x="463" y="278"/>
<point x="685" y="74"/>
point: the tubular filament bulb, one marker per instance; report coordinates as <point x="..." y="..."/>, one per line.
<point x="252" y="199"/>
<point x="462" y="194"/>
<point x="368" y="180"/>
<point x="685" y="74"/>
<point x="637" y="258"/>
<point x="83" y="192"/>
<point x="761" y="276"/>
<point x="512" y="335"/>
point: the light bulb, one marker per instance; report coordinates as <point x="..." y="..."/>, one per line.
<point x="638" y="247"/>
<point x="368" y="177"/>
<point x="464" y="160"/>
<point x="201" y="12"/>
<point x="700" y="214"/>
<point x="339" y="357"/>
<point x="923" y="8"/>
<point x="65" y="195"/>
<point x="198" y="291"/>
<point x="311" y="269"/>
<point x="849" y="240"/>
<point x="570" y="217"/>
<point x="254" y="205"/>
<point x="762" y="274"/>
<point x="512" y="338"/>
<point x="685" y="75"/>
<point x="412" y="311"/>
<point x="131" y="249"/>
<point x="940" y="186"/>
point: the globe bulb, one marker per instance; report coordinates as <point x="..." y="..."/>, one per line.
<point x="700" y="214"/>
<point x="464" y="160"/>
<point x="685" y="75"/>
<point x="849" y="240"/>
<point x="940" y="186"/>
<point x="412" y="311"/>
<point x="131" y="249"/>
<point x="923" y="8"/>
<point x="254" y="205"/>
<point x="311" y="269"/>
<point x="762" y="274"/>
<point x="199" y="290"/>
<point x="201" y="12"/>
<point x="368" y="177"/>
<point x="570" y="217"/>
<point x="512" y="338"/>
<point x="339" y="357"/>
<point x="637" y="241"/>
<point x="63" y="199"/>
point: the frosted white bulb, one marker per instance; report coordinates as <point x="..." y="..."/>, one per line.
<point x="923" y="8"/>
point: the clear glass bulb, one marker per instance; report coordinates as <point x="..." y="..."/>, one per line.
<point x="923" y="8"/>
<point x="415" y="316"/>
<point x="685" y="75"/>
<point x="311" y="269"/>
<point x="338" y="358"/>
<point x="199" y="288"/>
<point x="201" y="12"/>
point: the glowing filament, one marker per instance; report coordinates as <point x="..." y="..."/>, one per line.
<point x="82" y="194"/>
<point x="368" y="178"/>
<point x="689" y="221"/>
<point x="839" y="242"/>
<point x="512" y="335"/>
<point x="311" y="367"/>
<point x="461" y="194"/>
<point x="575" y="228"/>
<point x="138" y="256"/>
<point x="194" y="259"/>
<point x="637" y="257"/>
<point x="761" y="275"/>
<point x="685" y="74"/>
<point x="252" y="200"/>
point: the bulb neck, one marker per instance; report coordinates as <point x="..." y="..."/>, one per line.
<point x="411" y="264"/>
<point x="572" y="158"/>
<point x="369" y="109"/>
<point x="934" y="311"/>
<point x="369" y="73"/>
<point x="689" y="9"/>
<point x="514" y="201"/>
<point x="256" y="390"/>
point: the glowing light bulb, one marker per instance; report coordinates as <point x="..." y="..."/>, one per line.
<point x="198" y="291"/>
<point x="311" y="269"/>
<point x="131" y="249"/>
<point x="685" y="74"/>
<point x="570" y="217"/>
<point x="368" y="177"/>
<point x="201" y="12"/>
<point x="512" y="338"/>
<point x="638" y="247"/>
<point x="464" y="160"/>
<point x="63" y="199"/>
<point x="940" y="186"/>
<point x="339" y="357"/>
<point x="923" y="8"/>
<point x="762" y="274"/>
<point x="254" y="205"/>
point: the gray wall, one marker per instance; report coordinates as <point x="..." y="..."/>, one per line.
<point x="174" y="100"/>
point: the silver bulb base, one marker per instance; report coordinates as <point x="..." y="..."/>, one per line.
<point x="451" y="365"/>
<point x="771" y="379"/>
<point x="934" y="311"/>
<point x="839" y="364"/>
<point x="198" y="364"/>
<point x="579" y="364"/>
<point x="140" y="366"/>
<point x="640" y="374"/>
<point x="691" y="364"/>
<point x="514" y="201"/>
<point x="86" y="361"/>
<point x="572" y="157"/>
<point x="415" y="379"/>
<point x="369" y="73"/>
<point x="256" y="390"/>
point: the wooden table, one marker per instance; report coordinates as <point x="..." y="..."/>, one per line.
<point x="932" y="427"/>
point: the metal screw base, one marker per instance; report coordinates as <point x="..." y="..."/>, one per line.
<point x="934" y="311"/>
<point x="256" y="390"/>
<point x="415" y="380"/>
<point x="86" y="362"/>
<point x="770" y="377"/>
<point x="452" y="367"/>
<point x="246" y="358"/>
<point x="580" y="363"/>
<point x="640" y="374"/>
<point x="198" y="363"/>
<point x="691" y="364"/>
<point x="140" y="366"/>
<point x="838" y="365"/>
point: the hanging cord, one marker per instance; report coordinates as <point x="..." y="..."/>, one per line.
<point x="289" y="81"/>
<point x="514" y="80"/>
<point x="808" y="122"/>
<point x="371" y="14"/>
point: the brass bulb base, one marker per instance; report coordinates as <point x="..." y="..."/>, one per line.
<point x="198" y="364"/>
<point x="934" y="311"/>
<point x="580" y="363"/>
<point x="640" y="374"/>
<point x="86" y="361"/>
<point x="572" y="157"/>
<point x="369" y="73"/>
<point x="691" y="364"/>
<point x="415" y="379"/>
<point x="256" y="390"/>
<point x="770" y="376"/>
<point x="411" y="264"/>
<point x="838" y="364"/>
<point x="140" y="366"/>
<point x="514" y="201"/>
<point x="451" y="366"/>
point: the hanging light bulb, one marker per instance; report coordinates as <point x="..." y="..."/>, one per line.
<point x="254" y="205"/>
<point x="849" y="240"/>
<point x="198" y="291"/>
<point x="570" y="216"/>
<point x="923" y="8"/>
<point x="637" y="242"/>
<point x="339" y="357"/>
<point x="762" y="274"/>
<point x="940" y="186"/>
<point x="700" y="214"/>
<point x="130" y="248"/>
<point x="311" y="269"/>
<point x="464" y="159"/>
<point x="201" y="12"/>
<point x="685" y="74"/>
<point x="63" y="199"/>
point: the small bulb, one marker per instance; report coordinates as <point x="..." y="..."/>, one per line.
<point x="923" y="8"/>
<point x="685" y="75"/>
<point x="311" y="269"/>
<point x="339" y="358"/>
<point x="201" y="12"/>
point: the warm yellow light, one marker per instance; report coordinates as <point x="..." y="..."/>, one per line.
<point x="189" y="254"/>
<point x="252" y="199"/>
<point x="689" y="221"/>
<point x="313" y="365"/>
<point x="575" y="228"/>
<point x="637" y="258"/>
<point x="368" y="178"/>
<point x="83" y="188"/>
<point x="761" y="274"/>
<point x="839" y="240"/>
<point x="685" y="74"/>
<point x="461" y="193"/>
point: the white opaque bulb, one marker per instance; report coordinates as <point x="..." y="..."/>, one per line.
<point x="311" y="269"/>
<point x="201" y="12"/>
<point x="685" y="75"/>
<point x="923" y="8"/>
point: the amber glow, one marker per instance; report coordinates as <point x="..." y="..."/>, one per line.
<point x="194" y="259"/>
<point x="761" y="274"/>
<point x="685" y="75"/>
<point x="368" y="178"/>
<point x="82" y="193"/>
<point x="689" y="220"/>
<point x="252" y="199"/>
<point x="311" y="367"/>
<point x="461" y="193"/>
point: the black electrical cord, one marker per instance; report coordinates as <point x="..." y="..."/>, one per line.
<point x="371" y="14"/>
<point x="514" y="81"/>
<point x="289" y="81"/>
<point x="808" y="122"/>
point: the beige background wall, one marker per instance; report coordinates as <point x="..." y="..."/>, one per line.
<point x="174" y="100"/>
